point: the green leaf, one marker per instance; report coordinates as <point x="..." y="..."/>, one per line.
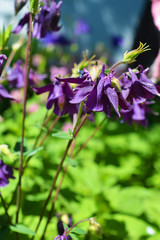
<point x="20" y="228"/>
<point x="7" y="34"/>
<point x="72" y="162"/>
<point x="33" y="152"/>
<point x="63" y="135"/>
<point x="4" y="36"/>
<point x="78" y="231"/>
<point x="73" y="236"/>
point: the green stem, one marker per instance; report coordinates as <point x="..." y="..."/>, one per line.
<point x="45" y="122"/>
<point x="67" y="233"/>
<point x="49" y="130"/>
<point x="90" y="137"/>
<point x="116" y="65"/>
<point x="59" y="168"/>
<point x="5" y="208"/>
<point x="62" y="178"/>
<point x="26" y="76"/>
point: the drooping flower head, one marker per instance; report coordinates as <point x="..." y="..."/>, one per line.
<point x="6" y="172"/>
<point x="63" y="218"/>
<point x="140" y="88"/>
<point x="59" y="96"/>
<point x="44" y="22"/>
<point x="99" y="95"/>
<point x="137" y="113"/>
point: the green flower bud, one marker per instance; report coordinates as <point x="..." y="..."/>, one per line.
<point x="95" y="71"/>
<point x="129" y="57"/>
<point x="33" y="6"/>
<point x="95" y="228"/>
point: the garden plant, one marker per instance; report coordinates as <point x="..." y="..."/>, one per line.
<point x="79" y="139"/>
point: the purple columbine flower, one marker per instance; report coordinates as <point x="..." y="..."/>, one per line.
<point x="59" y="96"/>
<point x="141" y="89"/>
<point x="99" y="94"/>
<point x="137" y="113"/>
<point x="16" y="77"/>
<point x="45" y="21"/>
<point x="6" y="172"/>
<point x="61" y="237"/>
<point x="2" y="58"/>
<point x="4" y="93"/>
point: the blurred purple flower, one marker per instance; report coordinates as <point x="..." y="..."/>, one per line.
<point x="59" y="95"/>
<point x="16" y="77"/>
<point x="61" y="237"/>
<point x="2" y="58"/>
<point x="58" y="71"/>
<point x="4" y="93"/>
<point x="137" y="113"/>
<point x="117" y="41"/>
<point x="68" y="221"/>
<point x="81" y="27"/>
<point x="56" y="39"/>
<point x="6" y="172"/>
<point x="45" y="21"/>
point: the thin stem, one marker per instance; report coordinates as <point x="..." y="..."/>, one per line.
<point x="67" y="233"/>
<point x="49" y="130"/>
<point x="26" y="75"/>
<point x="45" y="122"/>
<point x="54" y="200"/>
<point x="116" y="65"/>
<point x="62" y="178"/>
<point x="5" y="208"/>
<point x="59" y="167"/>
<point x="90" y="137"/>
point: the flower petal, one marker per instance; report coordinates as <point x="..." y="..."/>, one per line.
<point x="113" y="98"/>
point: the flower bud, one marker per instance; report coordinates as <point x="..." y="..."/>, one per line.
<point x="95" y="72"/>
<point x="95" y="227"/>
<point x="129" y="57"/>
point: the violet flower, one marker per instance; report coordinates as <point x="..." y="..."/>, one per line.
<point x="4" y="93"/>
<point x="45" y="21"/>
<point x="141" y="89"/>
<point x="6" y="172"/>
<point x="137" y="113"/>
<point x="59" y="96"/>
<point x="52" y="38"/>
<point x="68" y="221"/>
<point x="61" y="237"/>
<point x="16" y="77"/>
<point x="81" y="27"/>
<point x="99" y="94"/>
<point x="2" y="58"/>
<point x="117" y="41"/>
